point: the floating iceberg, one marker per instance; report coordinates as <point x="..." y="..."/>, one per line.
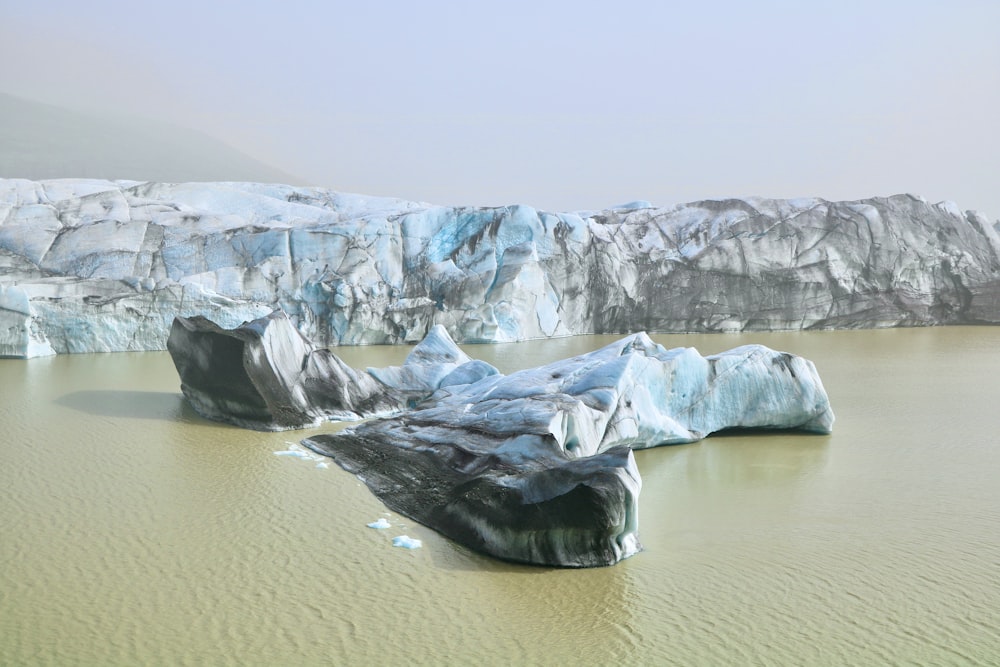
<point x="535" y="466"/>
<point x="406" y="542"/>
<point x="381" y="524"/>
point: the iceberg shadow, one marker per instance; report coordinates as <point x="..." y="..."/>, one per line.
<point x="163" y="405"/>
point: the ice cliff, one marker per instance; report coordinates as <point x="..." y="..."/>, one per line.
<point x="535" y="466"/>
<point x="88" y="265"/>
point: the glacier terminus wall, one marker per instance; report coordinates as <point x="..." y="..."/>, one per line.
<point x="91" y="265"/>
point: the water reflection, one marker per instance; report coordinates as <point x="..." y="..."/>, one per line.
<point x="736" y="457"/>
<point x="592" y="608"/>
<point x="771" y="457"/>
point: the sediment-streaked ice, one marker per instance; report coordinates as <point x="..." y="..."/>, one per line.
<point x="99" y="266"/>
<point x="537" y="466"/>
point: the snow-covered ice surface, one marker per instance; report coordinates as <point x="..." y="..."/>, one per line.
<point x="93" y="266"/>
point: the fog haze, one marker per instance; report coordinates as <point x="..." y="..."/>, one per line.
<point x="41" y="141"/>
<point x="560" y="105"/>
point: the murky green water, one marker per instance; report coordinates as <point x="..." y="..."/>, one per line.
<point x="134" y="532"/>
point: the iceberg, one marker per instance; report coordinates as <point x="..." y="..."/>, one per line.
<point x="265" y="375"/>
<point x="537" y="466"/>
<point x="99" y="266"/>
<point x="406" y="542"/>
<point x="533" y="467"/>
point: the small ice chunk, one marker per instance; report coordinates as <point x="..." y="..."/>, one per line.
<point x="381" y="524"/>
<point x="406" y="542"/>
<point x="290" y="452"/>
<point x="323" y="464"/>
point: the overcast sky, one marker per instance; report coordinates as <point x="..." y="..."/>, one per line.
<point x="562" y="105"/>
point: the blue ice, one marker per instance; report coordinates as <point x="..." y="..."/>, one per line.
<point x="406" y="542"/>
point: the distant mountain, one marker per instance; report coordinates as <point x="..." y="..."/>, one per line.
<point x="41" y="141"/>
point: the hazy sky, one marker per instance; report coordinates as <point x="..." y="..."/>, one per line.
<point x="562" y="105"/>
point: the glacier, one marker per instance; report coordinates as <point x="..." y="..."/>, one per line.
<point x="99" y="266"/>
<point x="533" y="467"/>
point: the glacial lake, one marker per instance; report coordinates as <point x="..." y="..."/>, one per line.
<point x="134" y="532"/>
